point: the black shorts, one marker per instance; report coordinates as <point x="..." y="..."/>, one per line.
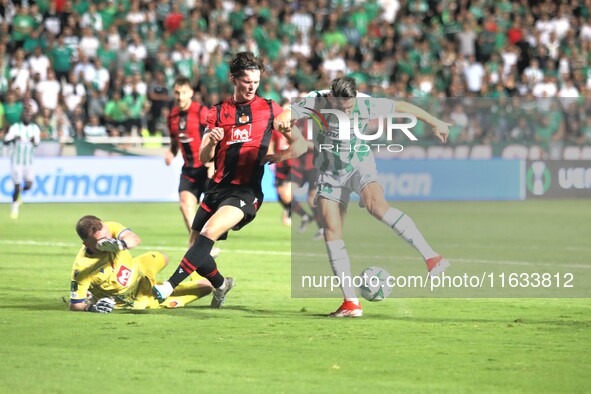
<point x="194" y="180"/>
<point x="282" y="170"/>
<point x="300" y="177"/>
<point x="247" y="200"/>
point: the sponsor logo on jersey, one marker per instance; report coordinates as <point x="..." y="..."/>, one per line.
<point x="240" y="134"/>
<point x="124" y="275"/>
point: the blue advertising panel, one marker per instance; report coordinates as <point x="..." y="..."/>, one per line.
<point x="452" y="179"/>
<point x="112" y="179"/>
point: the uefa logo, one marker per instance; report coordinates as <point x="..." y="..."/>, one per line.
<point x="538" y="178"/>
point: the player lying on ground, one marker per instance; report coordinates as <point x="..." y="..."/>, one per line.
<point x="105" y="268"/>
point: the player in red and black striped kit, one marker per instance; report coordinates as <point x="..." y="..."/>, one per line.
<point x="186" y="123"/>
<point x="302" y="172"/>
<point x="285" y="172"/>
<point x="237" y="138"/>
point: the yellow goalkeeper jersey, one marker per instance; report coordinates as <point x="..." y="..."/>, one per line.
<point x="104" y="274"/>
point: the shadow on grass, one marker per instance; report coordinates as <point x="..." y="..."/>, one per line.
<point x="204" y="311"/>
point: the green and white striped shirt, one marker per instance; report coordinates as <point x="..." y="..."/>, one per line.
<point x="22" y="140"/>
<point x="331" y="153"/>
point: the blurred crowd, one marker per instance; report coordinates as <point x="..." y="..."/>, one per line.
<point x="106" y="67"/>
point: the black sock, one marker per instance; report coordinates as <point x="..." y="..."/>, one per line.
<point x="297" y="208"/>
<point x="286" y="205"/>
<point x="16" y="192"/>
<point x="209" y="270"/>
<point x="195" y="256"/>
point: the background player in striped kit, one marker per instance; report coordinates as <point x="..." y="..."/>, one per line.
<point x="22" y="138"/>
<point x="186" y="124"/>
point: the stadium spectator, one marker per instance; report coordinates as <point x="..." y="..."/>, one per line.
<point x="73" y="92"/>
<point x="135" y="100"/>
<point x="85" y="69"/>
<point x="237" y="139"/>
<point x="89" y="43"/>
<point x="61" y="57"/>
<point x="22" y="138"/>
<point x="94" y="128"/>
<point x="48" y="92"/>
<point x="116" y="114"/>
<point x="19" y="73"/>
<point x="61" y="126"/>
<point x="39" y="63"/>
<point x="13" y="109"/>
<point x="118" y="280"/>
<point x="503" y="36"/>
<point x="22" y="26"/>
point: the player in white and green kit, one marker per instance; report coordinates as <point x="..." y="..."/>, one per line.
<point x="22" y="138"/>
<point x="345" y="165"/>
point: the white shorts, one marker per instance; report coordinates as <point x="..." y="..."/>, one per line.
<point x="338" y="187"/>
<point x="21" y="172"/>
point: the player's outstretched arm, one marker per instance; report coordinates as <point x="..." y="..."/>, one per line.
<point x="285" y="125"/>
<point x="104" y="305"/>
<point x="440" y="128"/>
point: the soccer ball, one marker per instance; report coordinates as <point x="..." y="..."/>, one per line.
<point x="374" y="286"/>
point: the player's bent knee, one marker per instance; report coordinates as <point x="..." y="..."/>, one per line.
<point x="212" y="233"/>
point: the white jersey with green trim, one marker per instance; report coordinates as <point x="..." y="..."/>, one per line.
<point x="22" y="140"/>
<point x="332" y="153"/>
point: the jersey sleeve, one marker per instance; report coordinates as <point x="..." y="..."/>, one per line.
<point x="37" y="136"/>
<point x="80" y="280"/>
<point x="116" y="229"/>
<point x="203" y="113"/>
<point x="379" y="106"/>
<point x="277" y="109"/>
<point x="11" y="135"/>
<point x="169" y="125"/>
<point x="212" y="116"/>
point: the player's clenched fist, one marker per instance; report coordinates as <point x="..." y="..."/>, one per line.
<point x="216" y="134"/>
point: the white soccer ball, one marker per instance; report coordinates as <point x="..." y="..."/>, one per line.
<point x="374" y="284"/>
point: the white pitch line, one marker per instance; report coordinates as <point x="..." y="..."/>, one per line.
<point x="576" y="265"/>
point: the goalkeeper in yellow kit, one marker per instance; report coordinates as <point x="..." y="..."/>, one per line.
<point x="105" y="269"/>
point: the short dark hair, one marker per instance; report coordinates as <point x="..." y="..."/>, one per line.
<point x="245" y="61"/>
<point x="181" y="80"/>
<point x="88" y="225"/>
<point x="345" y="87"/>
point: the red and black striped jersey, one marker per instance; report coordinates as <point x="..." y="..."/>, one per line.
<point x="187" y="128"/>
<point x="279" y="141"/>
<point x="247" y="133"/>
<point x="305" y="162"/>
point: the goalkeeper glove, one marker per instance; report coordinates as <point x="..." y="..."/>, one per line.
<point x="104" y="305"/>
<point x="111" y="245"/>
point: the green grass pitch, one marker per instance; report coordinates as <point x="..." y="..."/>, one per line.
<point x="263" y="340"/>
